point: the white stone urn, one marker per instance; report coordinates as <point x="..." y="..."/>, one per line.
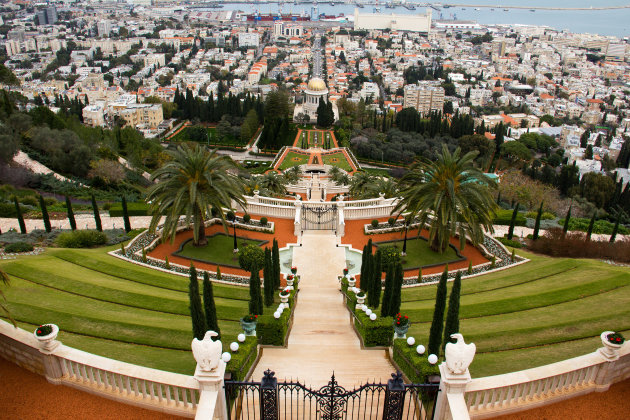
<point x="360" y="299"/>
<point x="610" y="350"/>
<point x="290" y="280"/>
<point x="284" y="298"/>
<point x="48" y="343"/>
<point x="352" y="282"/>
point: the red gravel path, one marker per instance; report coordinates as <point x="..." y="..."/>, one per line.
<point x="26" y="395"/>
<point x="611" y="404"/>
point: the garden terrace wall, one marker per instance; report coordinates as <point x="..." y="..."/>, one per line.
<point x="21" y="347"/>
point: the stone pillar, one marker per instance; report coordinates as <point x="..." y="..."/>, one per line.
<point x="381" y="198"/>
<point x="341" y="222"/>
<point x="256" y="198"/>
<point x="212" y="402"/>
<point x="454" y="378"/>
<point x="49" y="346"/>
<point x="297" y="222"/>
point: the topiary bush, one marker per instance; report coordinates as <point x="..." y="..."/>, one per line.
<point x="391" y="221"/>
<point x="389" y="255"/>
<point x="81" y="239"/>
<point x="374" y="223"/>
<point x="251" y="256"/>
<point x="247" y="218"/>
<point x="18" y="247"/>
<point x="263" y="221"/>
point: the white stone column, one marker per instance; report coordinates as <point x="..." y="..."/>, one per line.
<point x="49" y="346"/>
<point x="454" y="378"/>
<point x="341" y="222"/>
<point x="212" y="402"/>
<point x="297" y="222"/>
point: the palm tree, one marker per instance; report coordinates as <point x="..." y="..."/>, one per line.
<point x="191" y="184"/>
<point x="293" y="175"/>
<point x="273" y="182"/>
<point x="386" y="186"/>
<point x="4" y="279"/>
<point x="359" y="183"/>
<point x="451" y="196"/>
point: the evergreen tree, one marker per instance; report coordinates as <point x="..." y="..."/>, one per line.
<point x="565" y="228"/>
<point x="387" y="294"/>
<point x="363" y="264"/>
<point x="394" y="307"/>
<point x="73" y="223"/>
<point x="97" y="215"/>
<point x="452" y="316"/>
<point x="209" y="306"/>
<point x="374" y="294"/>
<point x="537" y="224"/>
<point x="510" y="233"/>
<point x="437" y="325"/>
<point x="45" y="218"/>
<point x="196" y="311"/>
<point x="613" y="235"/>
<point x="268" y="278"/>
<point x="321" y="113"/>
<point x="367" y="274"/>
<point x="255" y="297"/>
<point x="589" y="232"/>
<point x="19" y="216"/>
<point x="126" y="215"/>
<point x="275" y="256"/>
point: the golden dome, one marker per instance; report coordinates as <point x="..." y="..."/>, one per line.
<point x="316" y="84"/>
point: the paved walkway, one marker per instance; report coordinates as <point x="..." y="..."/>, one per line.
<point x="322" y="339"/>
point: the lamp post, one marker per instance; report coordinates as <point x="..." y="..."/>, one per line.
<point x="404" y="250"/>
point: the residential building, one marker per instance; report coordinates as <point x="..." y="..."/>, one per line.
<point x="424" y="97"/>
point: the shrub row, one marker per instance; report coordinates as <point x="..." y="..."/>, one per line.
<point x="18" y="247"/>
<point x="81" y="239"/>
<point x="416" y="367"/>
<point x="600" y="226"/>
<point x="574" y="245"/>
<point x="272" y="331"/>
<point x="374" y="333"/>
<point x="243" y="359"/>
<point x="504" y="217"/>
<point x="509" y="242"/>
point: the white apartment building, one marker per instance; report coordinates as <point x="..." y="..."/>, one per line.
<point x="104" y="28"/>
<point x="157" y="60"/>
<point x="425" y="97"/>
<point x="248" y="39"/>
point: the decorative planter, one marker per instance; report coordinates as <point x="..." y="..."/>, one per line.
<point x="352" y="282"/>
<point x="249" y="328"/>
<point x="361" y="300"/>
<point x="48" y="343"/>
<point x="290" y="281"/>
<point x="610" y="350"/>
<point x="401" y="331"/>
<point x="284" y="298"/>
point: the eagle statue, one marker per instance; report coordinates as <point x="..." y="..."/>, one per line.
<point x="207" y="352"/>
<point x="459" y="355"/>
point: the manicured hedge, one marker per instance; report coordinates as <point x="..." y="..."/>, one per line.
<point x="133" y="209"/>
<point x="504" y="217"/>
<point x="510" y="242"/>
<point x="18" y="247"/>
<point x="81" y="239"/>
<point x="374" y="333"/>
<point x="243" y="359"/>
<point x="600" y="226"/>
<point x="416" y="367"/>
<point x="272" y="331"/>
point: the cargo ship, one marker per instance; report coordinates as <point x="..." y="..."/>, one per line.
<point x="273" y="17"/>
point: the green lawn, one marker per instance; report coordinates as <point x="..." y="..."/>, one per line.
<point x="540" y="312"/>
<point x="419" y="254"/>
<point x="220" y="249"/>
<point x="114" y="308"/>
<point x="337" y="159"/>
<point x="293" y="159"/>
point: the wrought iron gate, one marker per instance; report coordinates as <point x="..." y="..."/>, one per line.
<point x="273" y="400"/>
<point x="319" y="217"/>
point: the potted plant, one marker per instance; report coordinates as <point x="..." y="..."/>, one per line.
<point x="284" y="295"/>
<point x="294" y="270"/>
<point x="612" y="342"/>
<point x="248" y="323"/>
<point x="290" y="280"/>
<point x="401" y="325"/>
<point x="352" y="282"/>
<point x="345" y="272"/>
<point x="360" y="298"/>
<point x="46" y="335"/>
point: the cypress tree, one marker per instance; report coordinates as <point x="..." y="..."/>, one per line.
<point x="209" y="306"/>
<point x="394" y="307"/>
<point x="275" y="256"/>
<point x="374" y="294"/>
<point x="512" y="222"/>
<point x="255" y="298"/>
<point x="73" y="223"/>
<point x="45" y="218"/>
<point x="537" y="225"/>
<point x="166" y="263"/>
<point x="470" y="267"/>
<point x="613" y="235"/>
<point x="97" y="215"/>
<point x="126" y="215"/>
<point x="369" y="273"/>
<point x="452" y="316"/>
<point x="589" y="232"/>
<point x="387" y="295"/>
<point x="196" y="311"/>
<point x="363" y="263"/>
<point x="565" y="228"/>
<point x="218" y="273"/>
<point x="419" y="280"/>
<point x="437" y="325"/>
<point x="20" y="218"/>
<point x="268" y="278"/>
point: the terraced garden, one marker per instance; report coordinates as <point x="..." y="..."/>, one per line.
<point x="541" y="312"/>
<point x="337" y="159"/>
<point x="113" y="308"/>
<point x="292" y="159"/>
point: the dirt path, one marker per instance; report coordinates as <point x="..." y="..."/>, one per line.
<point x="30" y="396"/>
